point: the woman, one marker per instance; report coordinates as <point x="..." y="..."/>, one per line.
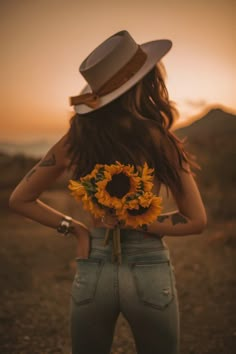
<point x="124" y="113"/>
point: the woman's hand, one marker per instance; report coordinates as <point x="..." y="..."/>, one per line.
<point x="109" y="221"/>
<point x="82" y="234"/>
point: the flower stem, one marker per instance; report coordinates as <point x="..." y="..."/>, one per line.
<point x="106" y="239"/>
<point x="116" y="245"/>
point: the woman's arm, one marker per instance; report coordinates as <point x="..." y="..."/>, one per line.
<point x="191" y="217"/>
<point x="25" y="200"/>
<point x="174" y="223"/>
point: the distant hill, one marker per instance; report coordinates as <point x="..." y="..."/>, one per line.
<point x="216" y="130"/>
<point x="212" y="139"/>
<point x="216" y="121"/>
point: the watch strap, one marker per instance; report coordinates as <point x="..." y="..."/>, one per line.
<point x="65" y="226"/>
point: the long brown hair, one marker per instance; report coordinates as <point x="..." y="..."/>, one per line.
<point x="132" y="129"/>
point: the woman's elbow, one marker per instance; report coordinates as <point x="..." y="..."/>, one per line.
<point x="13" y="204"/>
<point x="201" y="225"/>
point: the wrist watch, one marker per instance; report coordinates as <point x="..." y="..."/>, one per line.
<point x="65" y="226"/>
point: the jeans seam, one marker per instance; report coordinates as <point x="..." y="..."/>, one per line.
<point x="116" y="284"/>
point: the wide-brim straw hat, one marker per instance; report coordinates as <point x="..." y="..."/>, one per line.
<point x="113" y="67"/>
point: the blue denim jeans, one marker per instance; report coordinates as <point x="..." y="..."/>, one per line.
<point x="142" y="288"/>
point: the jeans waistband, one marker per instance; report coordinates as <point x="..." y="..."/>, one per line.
<point x="131" y="241"/>
<point x="128" y="236"/>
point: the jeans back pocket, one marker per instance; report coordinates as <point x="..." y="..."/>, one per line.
<point x="154" y="282"/>
<point x="86" y="278"/>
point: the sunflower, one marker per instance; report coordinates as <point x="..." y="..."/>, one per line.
<point x="122" y="188"/>
<point x="146" y="175"/>
<point x="78" y="190"/>
<point x="119" y="180"/>
<point x="93" y="207"/>
<point x="134" y="214"/>
<point x="93" y="174"/>
<point x="145" y="199"/>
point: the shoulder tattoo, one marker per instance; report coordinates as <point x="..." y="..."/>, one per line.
<point x="49" y="162"/>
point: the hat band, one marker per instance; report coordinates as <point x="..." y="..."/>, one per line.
<point x="91" y="99"/>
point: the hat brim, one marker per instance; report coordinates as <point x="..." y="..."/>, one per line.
<point x="155" y="50"/>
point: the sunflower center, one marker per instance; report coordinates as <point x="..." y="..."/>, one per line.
<point x="141" y="210"/>
<point x="119" y="185"/>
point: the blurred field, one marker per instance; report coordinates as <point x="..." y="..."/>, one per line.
<point x="37" y="266"/>
<point x="37" y="269"/>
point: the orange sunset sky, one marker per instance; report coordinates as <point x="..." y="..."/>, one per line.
<point x="43" y="43"/>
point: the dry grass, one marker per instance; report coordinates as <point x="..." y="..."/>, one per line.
<point x="37" y="269"/>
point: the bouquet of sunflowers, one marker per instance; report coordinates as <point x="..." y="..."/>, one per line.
<point x="133" y="206"/>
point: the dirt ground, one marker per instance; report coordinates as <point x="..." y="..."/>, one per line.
<point x="37" y="268"/>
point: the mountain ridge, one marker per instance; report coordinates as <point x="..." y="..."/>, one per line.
<point x="215" y="121"/>
<point x="212" y="123"/>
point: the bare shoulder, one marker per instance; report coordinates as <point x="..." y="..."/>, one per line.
<point x="60" y="148"/>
